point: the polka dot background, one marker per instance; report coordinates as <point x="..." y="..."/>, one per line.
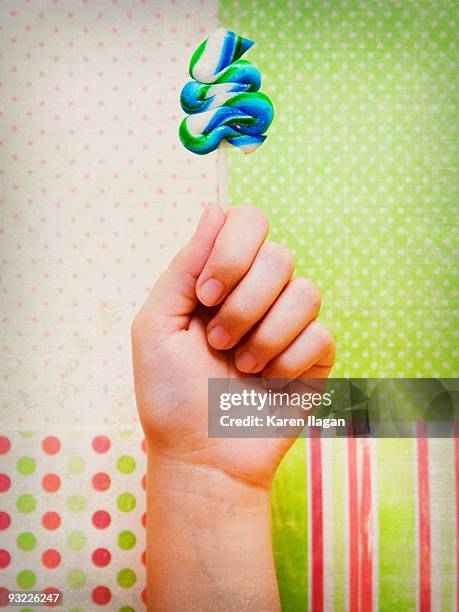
<point x="72" y="515"/>
<point x="359" y="172"/>
<point x="97" y="194"/>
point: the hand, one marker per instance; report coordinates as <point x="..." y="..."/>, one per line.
<point x="225" y="307"/>
<point x="208" y="499"/>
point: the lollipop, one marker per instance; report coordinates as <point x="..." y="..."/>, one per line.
<point x="223" y="103"/>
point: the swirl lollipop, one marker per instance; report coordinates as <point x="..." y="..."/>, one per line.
<point x="223" y="102"/>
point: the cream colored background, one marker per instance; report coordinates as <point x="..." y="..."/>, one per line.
<point x="97" y="194"/>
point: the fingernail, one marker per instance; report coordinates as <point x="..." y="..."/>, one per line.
<point x="219" y="338"/>
<point x="210" y="292"/>
<point x="246" y="362"/>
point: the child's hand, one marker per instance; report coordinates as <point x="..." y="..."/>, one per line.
<point x="264" y="323"/>
<point x="208" y="499"/>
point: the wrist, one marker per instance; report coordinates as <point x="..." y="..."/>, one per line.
<point x="201" y="525"/>
<point x="196" y="484"/>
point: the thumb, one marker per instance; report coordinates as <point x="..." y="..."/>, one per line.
<point x="173" y="298"/>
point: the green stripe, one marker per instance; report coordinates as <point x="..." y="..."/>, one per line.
<point x="396" y="518"/>
<point x="290" y="533"/>
<point x="441" y="455"/>
<point x="197" y="56"/>
<point x="237" y="48"/>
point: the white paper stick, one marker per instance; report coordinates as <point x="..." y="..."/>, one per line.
<point x="223" y="193"/>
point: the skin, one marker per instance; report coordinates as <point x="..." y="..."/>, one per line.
<point x="226" y="306"/>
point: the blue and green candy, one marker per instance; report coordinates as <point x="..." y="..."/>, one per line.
<point x="223" y="102"/>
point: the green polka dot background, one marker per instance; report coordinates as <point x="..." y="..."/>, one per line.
<point x="358" y="171"/>
<point x="76" y="465"/>
<point x="126" y="464"/>
<point x="126" y="540"/>
<point x="26" y="503"/>
<point x="76" y="579"/>
<point x="26" y="541"/>
<point x="76" y="540"/>
<point x="26" y="466"/>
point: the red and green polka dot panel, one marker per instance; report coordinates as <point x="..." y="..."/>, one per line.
<point x="72" y="517"/>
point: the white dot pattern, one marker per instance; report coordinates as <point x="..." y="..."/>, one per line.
<point x="359" y="171"/>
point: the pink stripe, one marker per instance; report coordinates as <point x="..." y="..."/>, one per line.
<point x="353" y="526"/>
<point x="317" y="570"/>
<point x="424" y="519"/>
<point x="366" y="561"/>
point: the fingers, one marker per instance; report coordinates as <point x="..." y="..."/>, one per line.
<point x="249" y="301"/>
<point x="312" y="349"/>
<point x="298" y="305"/>
<point x="235" y="249"/>
<point x="173" y="297"/>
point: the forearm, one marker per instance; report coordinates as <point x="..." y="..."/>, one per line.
<point x="208" y="541"/>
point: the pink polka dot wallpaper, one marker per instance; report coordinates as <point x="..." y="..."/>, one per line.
<point x="97" y="195"/>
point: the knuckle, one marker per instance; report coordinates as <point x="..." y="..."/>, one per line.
<point x="288" y="368"/>
<point x="281" y="254"/>
<point x="225" y="268"/>
<point x="264" y="344"/>
<point x="309" y="292"/>
<point x="253" y="214"/>
<point x="236" y="315"/>
<point x="240" y="315"/>
<point x="323" y="335"/>
<point x="232" y="260"/>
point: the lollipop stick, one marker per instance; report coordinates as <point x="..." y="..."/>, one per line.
<point x="223" y="194"/>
